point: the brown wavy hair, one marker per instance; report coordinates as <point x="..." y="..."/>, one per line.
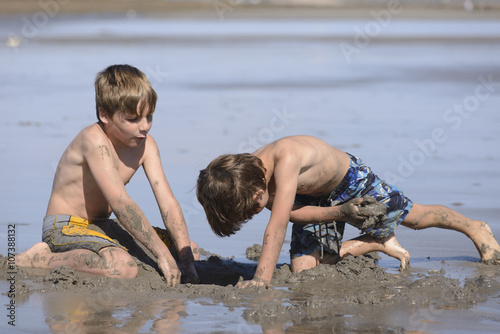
<point x="226" y="188"/>
<point x="122" y="88"/>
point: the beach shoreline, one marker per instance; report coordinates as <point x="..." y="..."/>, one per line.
<point x="228" y="9"/>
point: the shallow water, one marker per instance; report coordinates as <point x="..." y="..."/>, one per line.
<point x="412" y="103"/>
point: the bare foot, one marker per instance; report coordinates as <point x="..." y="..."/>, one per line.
<point x="493" y="257"/>
<point x="35" y="257"/>
<point x="488" y="247"/>
<point x="394" y="249"/>
<point x="405" y="261"/>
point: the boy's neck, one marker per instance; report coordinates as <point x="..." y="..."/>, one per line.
<point x="117" y="145"/>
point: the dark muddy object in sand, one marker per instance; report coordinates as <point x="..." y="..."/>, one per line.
<point x="218" y="271"/>
<point x="253" y="252"/>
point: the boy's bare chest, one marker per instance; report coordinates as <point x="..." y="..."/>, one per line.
<point x="127" y="165"/>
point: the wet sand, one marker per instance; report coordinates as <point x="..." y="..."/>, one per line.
<point x="356" y="294"/>
<point x="227" y="84"/>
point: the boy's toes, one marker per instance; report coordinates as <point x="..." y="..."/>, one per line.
<point x="404" y="265"/>
<point x="405" y="262"/>
<point x="493" y="260"/>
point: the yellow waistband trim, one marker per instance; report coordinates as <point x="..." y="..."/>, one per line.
<point x="78" y="221"/>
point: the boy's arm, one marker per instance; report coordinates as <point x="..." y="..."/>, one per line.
<point x="170" y="210"/>
<point x="348" y="211"/>
<point x="286" y="173"/>
<point x="96" y="152"/>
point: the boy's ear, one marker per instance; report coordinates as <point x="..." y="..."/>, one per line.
<point x="103" y="116"/>
<point x="258" y="194"/>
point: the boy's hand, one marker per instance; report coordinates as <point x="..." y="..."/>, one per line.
<point x="351" y="213"/>
<point x="254" y="282"/>
<point x="189" y="274"/>
<point x="171" y="272"/>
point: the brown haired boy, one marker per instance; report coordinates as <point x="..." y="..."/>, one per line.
<point x="89" y="185"/>
<point x="304" y="180"/>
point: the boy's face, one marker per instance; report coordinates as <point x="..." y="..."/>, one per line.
<point x="130" y="130"/>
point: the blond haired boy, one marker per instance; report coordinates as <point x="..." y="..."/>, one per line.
<point x="89" y="185"/>
<point x="304" y="180"/>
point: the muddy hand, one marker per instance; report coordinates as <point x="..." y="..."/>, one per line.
<point x="351" y="213"/>
<point x="189" y="274"/>
<point x="171" y="272"/>
<point x="370" y="207"/>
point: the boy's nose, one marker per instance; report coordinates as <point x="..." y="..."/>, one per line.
<point x="145" y="125"/>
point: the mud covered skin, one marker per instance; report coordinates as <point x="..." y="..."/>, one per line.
<point x="494" y="254"/>
<point x="495" y="257"/>
<point x="375" y="212"/>
<point x="425" y="216"/>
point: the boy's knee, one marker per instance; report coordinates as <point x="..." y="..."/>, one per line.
<point x="129" y="270"/>
<point x="120" y="263"/>
<point x="124" y="270"/>
<point x="196" y="250"/>
<point x="304" y="262"/>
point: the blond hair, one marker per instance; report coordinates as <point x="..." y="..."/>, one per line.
<point x="123" y="88"/>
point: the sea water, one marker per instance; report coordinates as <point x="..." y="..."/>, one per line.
<point x="418" y="101"/>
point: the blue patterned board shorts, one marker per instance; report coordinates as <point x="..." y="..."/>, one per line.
<point x="359" y="181"/>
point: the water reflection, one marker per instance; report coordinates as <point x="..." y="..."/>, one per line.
<point x="76" y="315"/>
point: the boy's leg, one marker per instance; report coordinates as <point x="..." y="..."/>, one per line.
<point x="111" y="261"/>
<point x="307" y="242"/>
<point x="425" y="216"/>
<point x="195" y="249"/>
<point x="356" y="247"/>
<point x="366" y="244"/>
<point x="304" y="262"/>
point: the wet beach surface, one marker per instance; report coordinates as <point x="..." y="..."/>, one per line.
<point x="415" y="96"/>
<point x="356" y="294"/>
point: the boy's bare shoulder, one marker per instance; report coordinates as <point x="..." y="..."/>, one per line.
<point x="152" y="148"/>
<point x="292" y="145"/>
<point x="93" y="135"/>
<point x="93" y="132"/>
<point x="278" y="145"/>
<point x="287" y="150"/>
<point x="89" y="139"/>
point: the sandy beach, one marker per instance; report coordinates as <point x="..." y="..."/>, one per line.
<point x="411" y="87"/>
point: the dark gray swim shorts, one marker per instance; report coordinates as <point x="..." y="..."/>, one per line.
<point x="64" y="233"/>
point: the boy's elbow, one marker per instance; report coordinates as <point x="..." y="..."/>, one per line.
<point x="120" y="201"/>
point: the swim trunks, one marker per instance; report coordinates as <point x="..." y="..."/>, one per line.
<point x="64" y="233"/>
<point x="165" y="237"/>
<point x="359" y="181"/>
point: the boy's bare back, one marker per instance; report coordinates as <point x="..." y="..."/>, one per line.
<point x="322" y="166"/>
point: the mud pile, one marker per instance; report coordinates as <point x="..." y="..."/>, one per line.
<point x="318" y="293"/>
